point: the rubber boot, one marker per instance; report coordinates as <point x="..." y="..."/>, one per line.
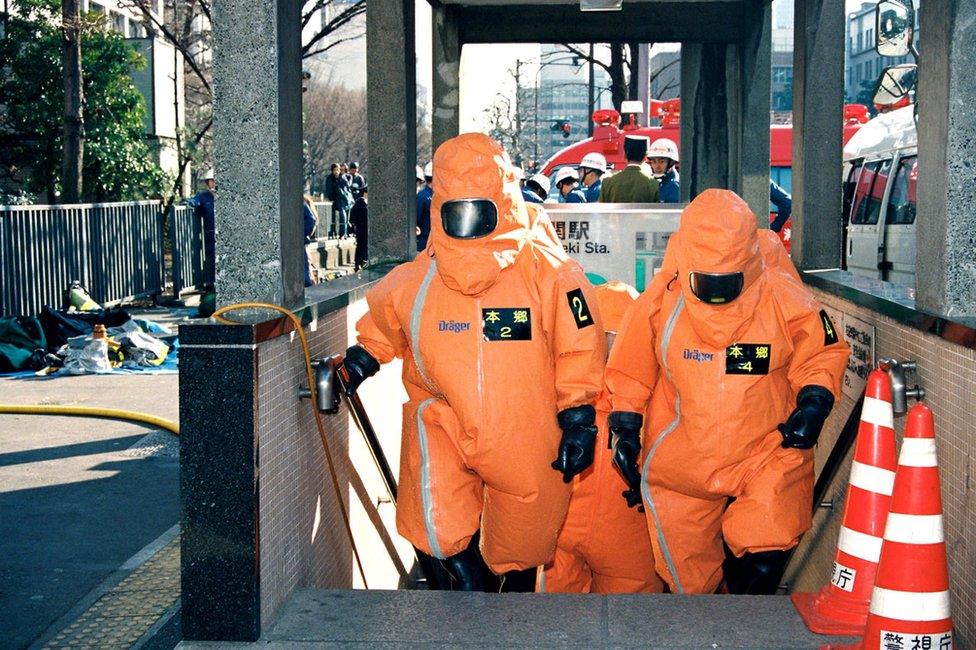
<point x="466" y="570"/>
<point x="755" y="573"/>
<point x="518" y="581"/>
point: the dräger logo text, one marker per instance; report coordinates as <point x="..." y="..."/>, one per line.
<point x="453" y="326"/>
<point x="697" y="355"/>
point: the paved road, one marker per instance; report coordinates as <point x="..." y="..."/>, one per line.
<point x="75" y="501"/>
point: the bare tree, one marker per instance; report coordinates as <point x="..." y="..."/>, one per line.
<point x="187" y="27"/>
<point x="335" y="129"/>
<point x="338" y="17"/>
<point x="425" y="138"/>
<point x="622" y="69"/>
<point x="506" y="120"/>
<point x="74" y="102"/>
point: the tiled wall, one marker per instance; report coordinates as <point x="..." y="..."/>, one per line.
<point x="947" y="372"/>
<point x="303" y="539"/>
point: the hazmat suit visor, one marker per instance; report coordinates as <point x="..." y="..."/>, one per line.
<point x="716" y="288"/>
<point x="469" y="218"/>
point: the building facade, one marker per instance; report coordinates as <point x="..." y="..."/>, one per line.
<point x="781" y="79"/>
<point x="665" y="73"/>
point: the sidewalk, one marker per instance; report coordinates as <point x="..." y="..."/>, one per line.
<point x="79" y="496"/>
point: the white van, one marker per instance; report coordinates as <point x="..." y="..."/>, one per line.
<point x="880" y="181"/>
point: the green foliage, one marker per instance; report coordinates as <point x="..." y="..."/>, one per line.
<point x="118" y="162"/>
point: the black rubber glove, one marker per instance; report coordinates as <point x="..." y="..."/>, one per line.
<point x="360" y="365"/>
<point x="579" y="438"/>
<point x="802" y="428"/>
<point x="625" y="429"/>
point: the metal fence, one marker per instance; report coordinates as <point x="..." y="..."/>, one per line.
<point x="186" y="237"/>
<point x="114" y="249"/>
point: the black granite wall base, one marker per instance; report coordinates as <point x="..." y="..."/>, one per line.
<point x="218" y="490"/>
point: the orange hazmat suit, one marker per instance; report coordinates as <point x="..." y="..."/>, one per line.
<point x="713" y="382"/>
<point x="497" y="338"/>
<point x="603" y="547"/>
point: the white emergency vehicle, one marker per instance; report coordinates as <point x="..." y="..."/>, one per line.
<point x="880" y="189"/>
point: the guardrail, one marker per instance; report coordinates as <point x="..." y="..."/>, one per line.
<point x="114" y="249"/>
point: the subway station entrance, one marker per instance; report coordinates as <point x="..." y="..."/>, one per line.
<point x="271" y="518"/>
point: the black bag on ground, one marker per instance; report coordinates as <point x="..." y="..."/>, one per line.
<point x="60" y="325"/>
<point x="20" y="338"/>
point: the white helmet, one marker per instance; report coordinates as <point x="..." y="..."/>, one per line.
<point x="429" y="170"/>
<point x="663" y="148"/>
<point x="209" y="175"/>
<point x="542" y="181"/>
<point x="420" y="173"/>
<point x="595" y="161"/>
<point x="566" y="173"/>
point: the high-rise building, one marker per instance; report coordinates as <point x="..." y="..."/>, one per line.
<point x="664" y="69"/>
<point x="563" y="96"/>
<point x="781" y="61"/>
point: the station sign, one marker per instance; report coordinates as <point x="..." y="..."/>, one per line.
<point x="613" y="241"/>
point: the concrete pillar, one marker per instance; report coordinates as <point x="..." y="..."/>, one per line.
<point x="447" y="68"/>
<point x="751" y="147"/>
<point x="643" y="83"/>
<point x="391" y="94"/>
<point x="704" y="121"/>
<point x="258" y="151"/>
<point x="725" y="114"/>
<point x="946" y="222"/>
<point x="819" y="29"/>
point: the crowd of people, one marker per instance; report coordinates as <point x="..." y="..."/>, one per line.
<point x="343" y="186"/>
<point x="650" y="176"/>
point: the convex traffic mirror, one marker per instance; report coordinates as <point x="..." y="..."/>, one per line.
<point x="896" y="83"/>
<point x="895" y="21"/>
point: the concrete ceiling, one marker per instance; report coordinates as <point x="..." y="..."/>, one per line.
<point x="646" y="21"/>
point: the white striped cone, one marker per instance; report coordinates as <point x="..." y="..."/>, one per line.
<point x="910" y="602"/>
<point x="841" y="607"/>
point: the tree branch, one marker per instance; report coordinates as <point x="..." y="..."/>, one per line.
<point x="586" y="57"/>
<point x="331" y="45"/>
<point x="339" y="21"/>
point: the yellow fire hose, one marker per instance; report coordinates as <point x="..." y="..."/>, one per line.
<point x="320" y="425"/>
<point x="90" y="412"/>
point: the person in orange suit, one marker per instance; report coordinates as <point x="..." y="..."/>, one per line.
<point x="604" y="546"/>
<point x="503" y="361"/>
<point x="730" y="366"/>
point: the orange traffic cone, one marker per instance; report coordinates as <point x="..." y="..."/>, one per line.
<point x="910" y="602"/>
<point x="841" y="607"/>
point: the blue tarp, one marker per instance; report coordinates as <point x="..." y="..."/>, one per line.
<point x="168" y="367"/>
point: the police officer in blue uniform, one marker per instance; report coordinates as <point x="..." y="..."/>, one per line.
<point x="567" y="182"/>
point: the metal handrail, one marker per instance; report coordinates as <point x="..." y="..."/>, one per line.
<point x="427" y="563"/>
<point x="838" y="453"/>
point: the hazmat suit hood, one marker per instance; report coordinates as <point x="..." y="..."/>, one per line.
<point x="473" y="166"/>
<point x="717" y="234"/>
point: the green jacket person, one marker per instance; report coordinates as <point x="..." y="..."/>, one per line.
<point x="632" y="184"/>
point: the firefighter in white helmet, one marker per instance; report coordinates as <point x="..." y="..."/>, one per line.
<point x="591" y="171"/>
<point x="536" y="189"/>
<point x="567" y="181"/>
<point x="662" y="156"/>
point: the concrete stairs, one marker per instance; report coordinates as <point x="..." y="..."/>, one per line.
<point x="421" y="619"/>
<point x="333" y="257"/>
